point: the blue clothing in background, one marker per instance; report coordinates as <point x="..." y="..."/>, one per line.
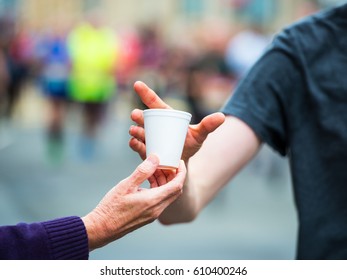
<point x="56" y="64"/>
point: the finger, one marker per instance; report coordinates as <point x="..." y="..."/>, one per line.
<point x="138" y="146"/>
<point x="149" y="97"/>
<point x="153" y="181"/>
<point x="137" y="116"/>
<point x="171" y="175"/>
<point x="168" y="175"/>
<point x="168" y="193"/>
<point x="143" y="171"/>
<point x="175" y="186"/>
<point x="137" y="132"/>
<point x="207" y="125"/>
<point x="160" y="178"/>
<point x="169" y="200"/>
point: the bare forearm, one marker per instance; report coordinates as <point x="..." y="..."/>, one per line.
<point x="224" y="153"/>
<point x="184" y="209"/>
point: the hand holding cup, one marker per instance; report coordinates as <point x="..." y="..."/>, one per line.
<point x="196" y="135"/>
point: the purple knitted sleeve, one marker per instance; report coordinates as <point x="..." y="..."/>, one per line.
<point x="59" y="239"/>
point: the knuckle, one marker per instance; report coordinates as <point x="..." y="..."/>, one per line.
<point x="178" y="187"/>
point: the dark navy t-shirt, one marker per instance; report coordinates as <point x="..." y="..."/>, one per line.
<point x="295" y="99"/>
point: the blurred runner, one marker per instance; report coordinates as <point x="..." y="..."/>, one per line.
<point x="54" y="77"/>
<point x="93" y="52"/>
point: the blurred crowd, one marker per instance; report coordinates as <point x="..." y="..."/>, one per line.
<point x="88" y="64"/>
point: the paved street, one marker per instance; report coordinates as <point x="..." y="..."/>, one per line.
<point x="253" y="217"/>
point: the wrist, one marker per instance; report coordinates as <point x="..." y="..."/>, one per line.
<point x="96" y="231"/>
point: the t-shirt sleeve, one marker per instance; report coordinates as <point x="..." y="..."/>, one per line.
<point x="261" y="99"/>
<point x="63" y="238"/>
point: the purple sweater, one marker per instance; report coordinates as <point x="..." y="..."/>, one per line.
<point x="59" y="239"/>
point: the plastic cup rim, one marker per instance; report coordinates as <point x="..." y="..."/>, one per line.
<point x="183" y="113"/>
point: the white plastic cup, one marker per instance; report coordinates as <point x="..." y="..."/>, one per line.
<point x="165" y="132"/>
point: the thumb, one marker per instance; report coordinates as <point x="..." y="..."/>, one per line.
<point x="141" y="174"/>
<point x="207" y="125"/>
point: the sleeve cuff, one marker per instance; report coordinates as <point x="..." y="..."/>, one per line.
<point x="68" y="238"/>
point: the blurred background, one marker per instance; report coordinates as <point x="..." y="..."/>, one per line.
<point x="66" y="75"/>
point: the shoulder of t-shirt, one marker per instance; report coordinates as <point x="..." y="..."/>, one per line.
<point x="313" y="30"/>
